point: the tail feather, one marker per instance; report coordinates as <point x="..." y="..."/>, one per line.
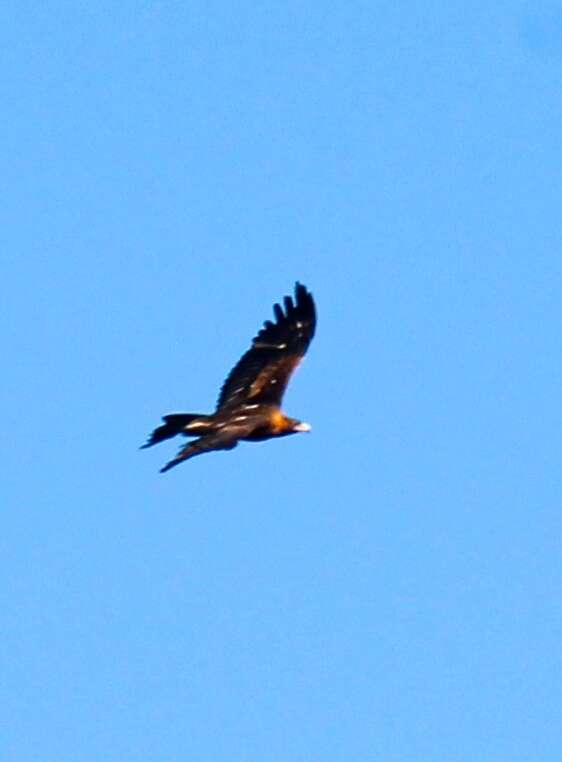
<point x="175" y="423"/>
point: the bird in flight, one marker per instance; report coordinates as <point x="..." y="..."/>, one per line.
<point x="249" y="404"/>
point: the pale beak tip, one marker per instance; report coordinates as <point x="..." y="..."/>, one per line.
<point x="303" y="427"/>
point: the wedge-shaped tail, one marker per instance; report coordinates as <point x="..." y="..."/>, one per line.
<point x="190" y="424"/>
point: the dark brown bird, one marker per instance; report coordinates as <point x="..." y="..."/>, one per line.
<point x="249" y="403"/>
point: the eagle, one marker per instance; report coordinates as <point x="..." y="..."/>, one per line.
<point x="249" y="403"/>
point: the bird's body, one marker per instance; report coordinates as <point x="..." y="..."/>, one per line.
<point x="248" y="408"/>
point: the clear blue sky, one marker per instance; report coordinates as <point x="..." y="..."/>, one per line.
<point x="389" y="586"/>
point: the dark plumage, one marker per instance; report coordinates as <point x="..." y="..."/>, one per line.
<point x="249" y="403"/>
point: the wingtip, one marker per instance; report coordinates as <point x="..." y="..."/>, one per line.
<point x="301" y="292"/>
<point x="173" y="463"/>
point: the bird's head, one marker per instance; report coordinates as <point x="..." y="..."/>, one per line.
<point x="282" y="425"/>
<point x="298" y="426"/>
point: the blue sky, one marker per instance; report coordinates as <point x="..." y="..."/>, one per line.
<point x="385" y="588"/>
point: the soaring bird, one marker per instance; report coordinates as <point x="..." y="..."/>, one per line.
<point x="249" y="404"/>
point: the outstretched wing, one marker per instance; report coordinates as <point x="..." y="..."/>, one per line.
<point x="219" y="440"/>
<point x="262" y="374"/>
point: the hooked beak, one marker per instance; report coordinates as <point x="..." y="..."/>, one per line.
<point x="302" y="427"/>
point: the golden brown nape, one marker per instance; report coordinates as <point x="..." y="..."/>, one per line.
<point x="285" y="425"/>
<point x="274" y="423"/>
<point x="249" y="403"/>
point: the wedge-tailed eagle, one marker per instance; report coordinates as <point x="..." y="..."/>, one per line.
<point x="248" y="407"/>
